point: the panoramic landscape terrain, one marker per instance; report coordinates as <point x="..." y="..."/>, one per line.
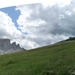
<point x="56" y="59"/>
<point x="38" y="39"/>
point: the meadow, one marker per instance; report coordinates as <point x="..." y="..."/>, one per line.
<point x="57" y="59"/>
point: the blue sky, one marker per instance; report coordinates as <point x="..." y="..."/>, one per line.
<point x="14" y="14"/>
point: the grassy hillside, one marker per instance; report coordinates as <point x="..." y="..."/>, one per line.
<point x="57" y="59"/>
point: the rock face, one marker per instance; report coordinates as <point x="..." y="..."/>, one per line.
<point x="7" y="47"/>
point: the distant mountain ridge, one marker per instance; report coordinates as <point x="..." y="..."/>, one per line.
<point x="49" y="60"/>
<point x="70" y="39"/>
<point x="7" y="47"/>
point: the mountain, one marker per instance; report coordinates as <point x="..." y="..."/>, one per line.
<point x="57" y="59"/>
<point x="70" y="39"/>
<point x="7" y="47"/>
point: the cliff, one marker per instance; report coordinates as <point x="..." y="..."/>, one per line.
<point x="7" y="47"/>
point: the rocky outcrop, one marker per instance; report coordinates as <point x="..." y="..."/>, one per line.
<point x="7" y="47"/>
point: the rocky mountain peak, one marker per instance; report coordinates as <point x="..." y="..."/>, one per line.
<point x="7" y="47"/>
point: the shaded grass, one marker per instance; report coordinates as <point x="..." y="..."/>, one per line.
<point x="58" y="59"/>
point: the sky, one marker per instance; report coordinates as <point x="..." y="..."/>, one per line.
<point x="8" y="3"/>
<point x="37" y="24"/>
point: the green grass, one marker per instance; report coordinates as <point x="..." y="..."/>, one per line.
<point x="57" y="59"/>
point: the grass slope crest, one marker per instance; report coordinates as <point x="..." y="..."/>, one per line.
<point x="57" y="59"/>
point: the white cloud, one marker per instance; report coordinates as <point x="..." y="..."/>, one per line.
<point x="7" y="3"/>
<point x="53" y="2"/>
<point x="8" y="29"/>
<point x="7" y="25"/>
<point x="41" y="24"/>
<point x="44" y="25"/>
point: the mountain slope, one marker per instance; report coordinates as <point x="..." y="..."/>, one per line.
<point x="57" y="59"/>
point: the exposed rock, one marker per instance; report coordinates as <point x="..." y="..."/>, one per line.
<point x="7" y="47"/>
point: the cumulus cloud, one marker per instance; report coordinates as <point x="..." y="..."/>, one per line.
<point x="46" y="25"/>
<point x="39" y="25"/>
<point x="8" y="29"/>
